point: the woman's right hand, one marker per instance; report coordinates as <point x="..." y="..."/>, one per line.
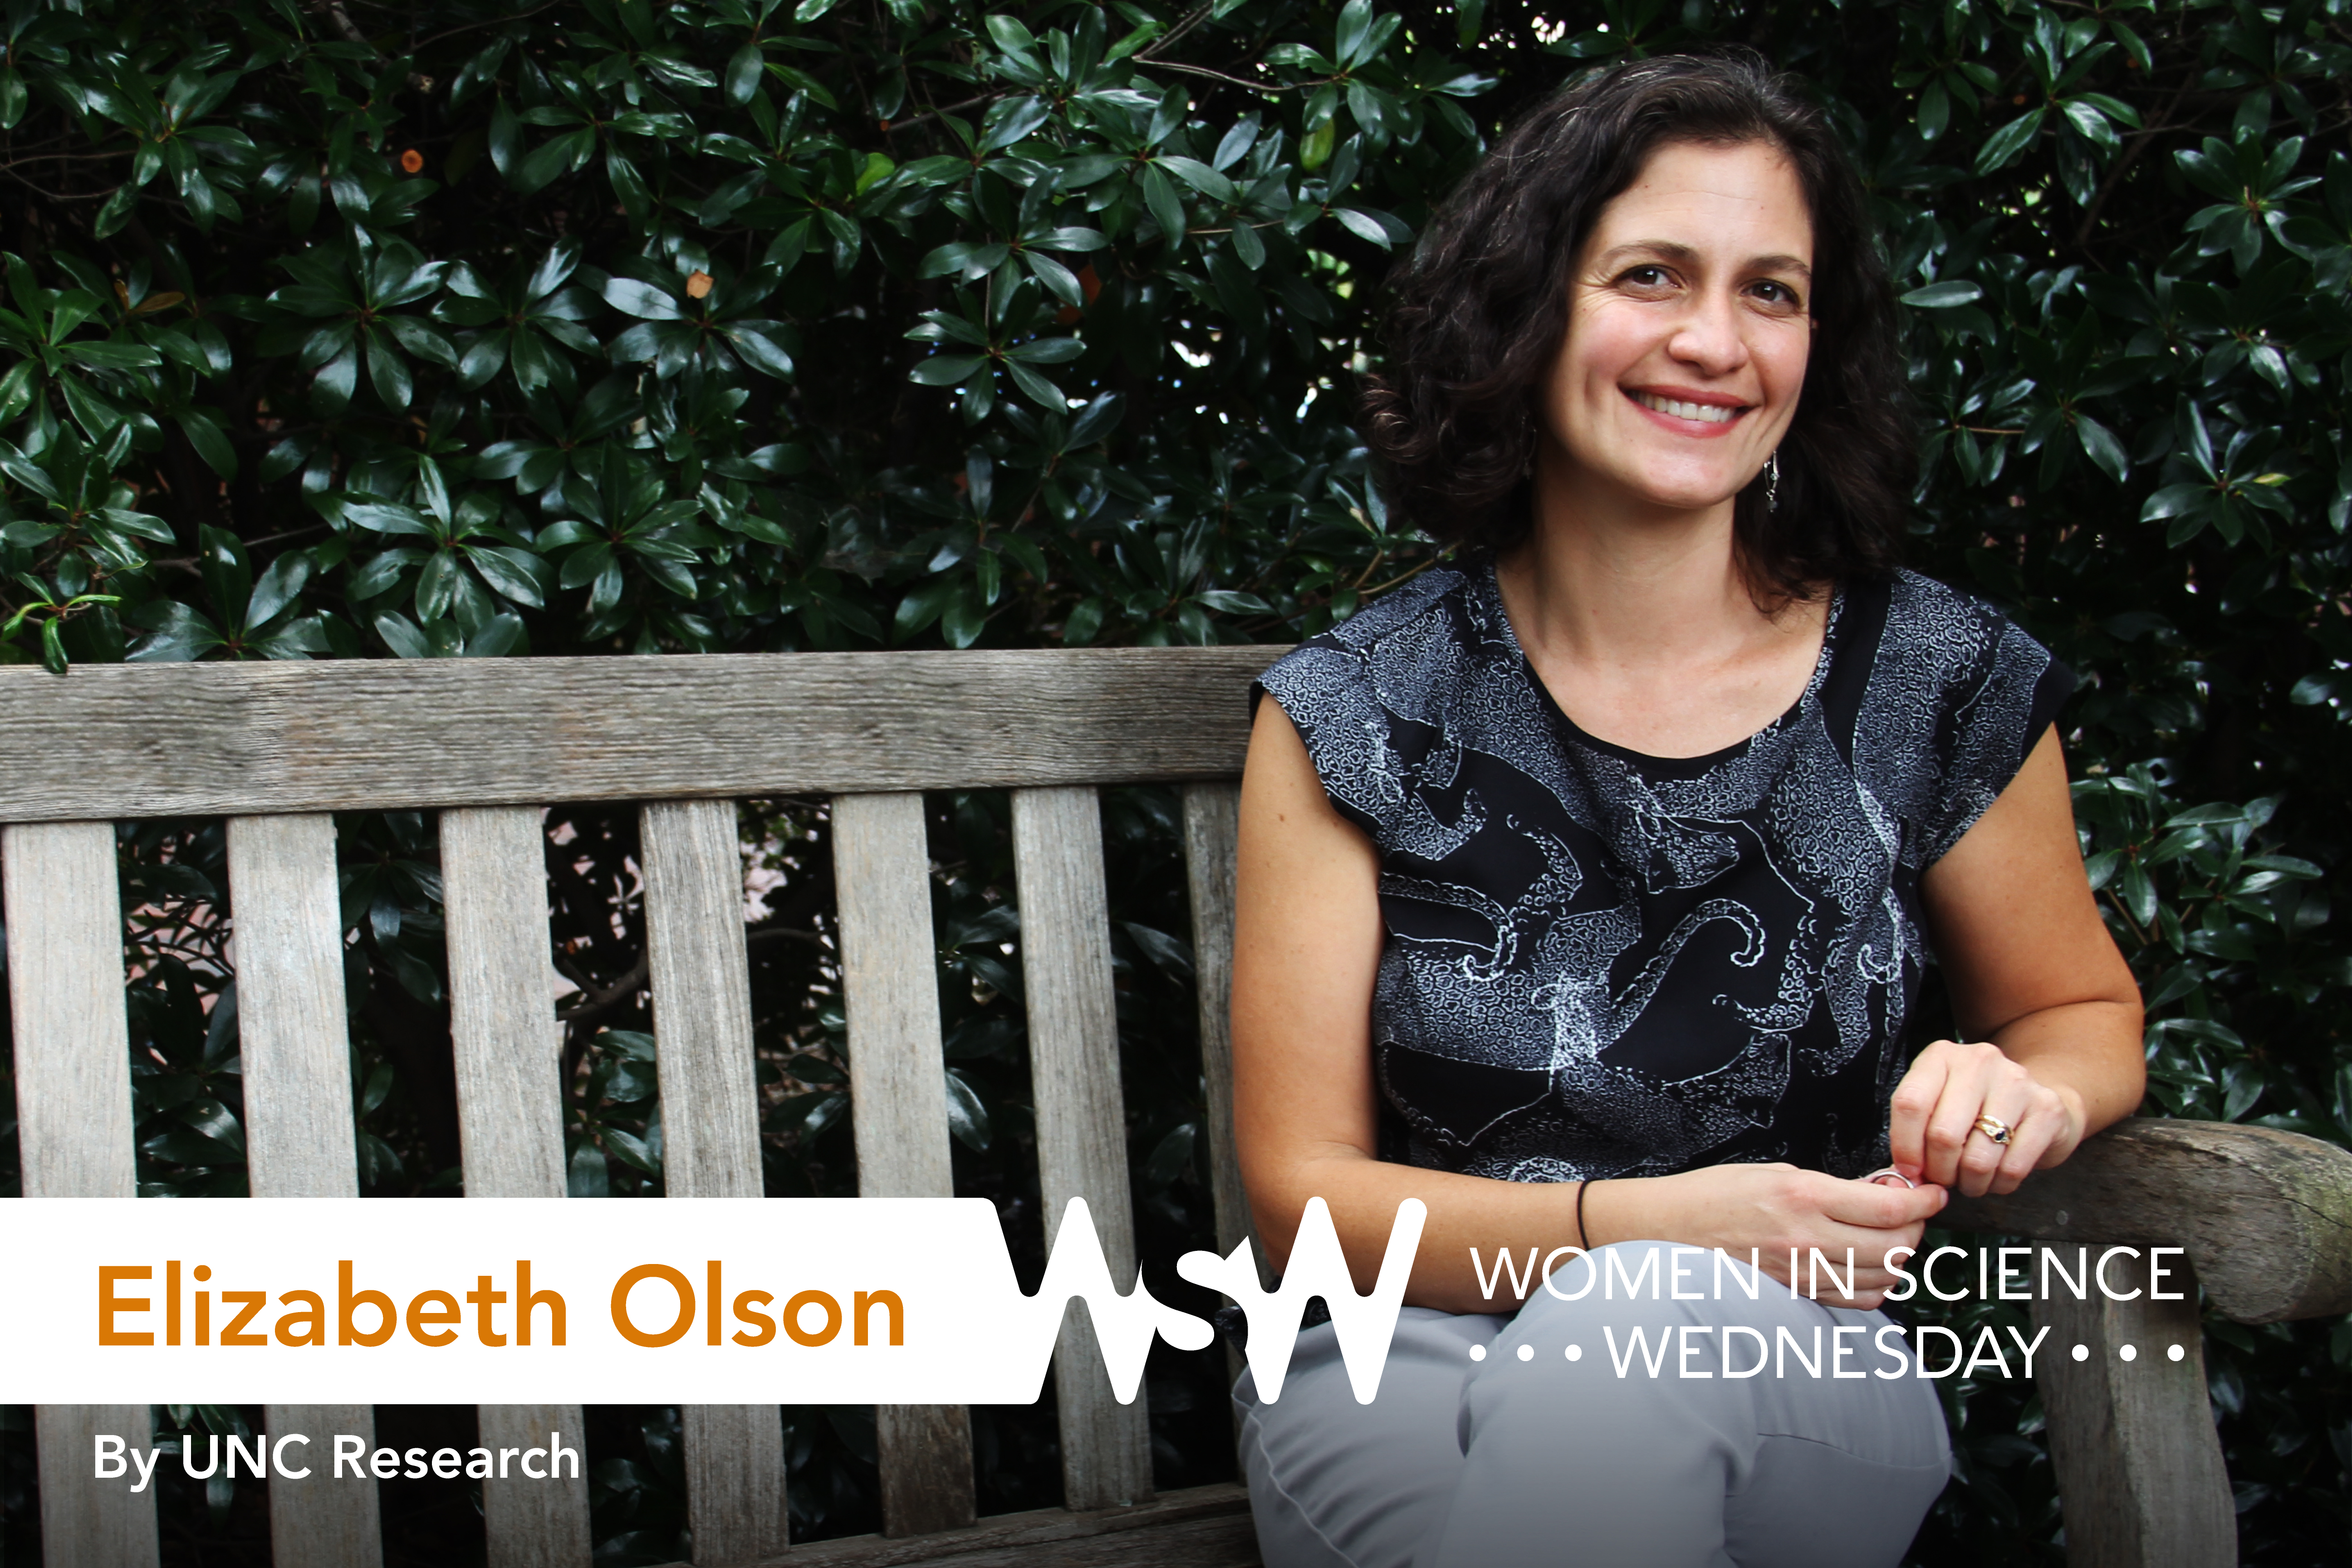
<point x="1761" y="1212"/>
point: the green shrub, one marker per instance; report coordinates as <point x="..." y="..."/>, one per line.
<point x="355" y="329"/>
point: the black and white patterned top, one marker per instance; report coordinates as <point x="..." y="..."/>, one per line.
<point x="1599" y="963"/>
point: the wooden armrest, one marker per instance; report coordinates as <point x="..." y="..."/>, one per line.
<point x="2267" y="1215"/>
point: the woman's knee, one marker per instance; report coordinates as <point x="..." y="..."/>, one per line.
<point x="1336" y="1482"/>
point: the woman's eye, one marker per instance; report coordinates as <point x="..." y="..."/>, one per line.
<point x="1778" y="293"/>
<point x="1646" y="277"/>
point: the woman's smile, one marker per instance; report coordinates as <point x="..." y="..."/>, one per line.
<point x="1701" y="414"/>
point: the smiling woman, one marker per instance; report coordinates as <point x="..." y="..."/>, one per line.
<point x="1706" y="335"/>
<point x="1586" y="885"/>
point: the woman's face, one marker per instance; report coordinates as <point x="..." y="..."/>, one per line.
<point x="1688" y="325"/>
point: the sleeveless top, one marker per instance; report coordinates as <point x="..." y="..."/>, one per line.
<point x="1599" y="964"/>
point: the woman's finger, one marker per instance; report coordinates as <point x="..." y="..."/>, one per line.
<point x="2006" y="1106"/>
<point x="1856" y="1225"/>
<point x="1952" y="1123"/>
<point x="1871" y="1206"/>
<point x="1915" y="1099"/>
<point x="2043" y="1124"/>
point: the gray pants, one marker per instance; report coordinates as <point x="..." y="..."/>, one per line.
<point x="1501" y="1462"/>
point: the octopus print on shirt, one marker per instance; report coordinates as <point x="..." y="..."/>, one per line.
<point x="1599" y="963"/>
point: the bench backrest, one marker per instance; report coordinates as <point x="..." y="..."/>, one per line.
<point x="276" y="748"/>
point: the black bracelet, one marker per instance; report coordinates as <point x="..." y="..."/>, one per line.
<point x="1581" y="1239"/>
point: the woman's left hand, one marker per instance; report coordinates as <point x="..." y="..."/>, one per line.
<point x="1934" y="1136"/>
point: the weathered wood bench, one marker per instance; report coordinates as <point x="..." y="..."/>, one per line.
<point x="277" y="748"/>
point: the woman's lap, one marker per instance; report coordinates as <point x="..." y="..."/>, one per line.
<point x="1333" y="1483"/>
<point x="1505" y="1461"/>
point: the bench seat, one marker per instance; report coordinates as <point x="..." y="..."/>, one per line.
<point x="2266" y="1216"/>
<point x="1200" y="1527"/>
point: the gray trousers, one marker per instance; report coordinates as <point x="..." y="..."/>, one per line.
<point x="1500" y="1462"/>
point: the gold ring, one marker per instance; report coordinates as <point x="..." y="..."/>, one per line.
<point x="1995" y="1129"/>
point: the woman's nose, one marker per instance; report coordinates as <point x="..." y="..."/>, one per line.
<point x="1709" y="337"/>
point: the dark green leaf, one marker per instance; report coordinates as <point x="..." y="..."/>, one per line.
<point x="1942" y="296"/>
<point x="945" y="369"/>
<point x="2002" y="147"/>
<point x="206" y="433"/>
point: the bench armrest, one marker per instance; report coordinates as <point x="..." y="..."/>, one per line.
<point x="2267" y="1215"/>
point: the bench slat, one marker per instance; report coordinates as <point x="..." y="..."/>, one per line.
<point x="701" y="985"/>
<point x="74" y="1133"/>
<point x="2140" y="1479"/>
<point x="1211" y="828"/>
<point x="734" y="1481"/>
<point x="144" y="740"/>
<point x="528" y="1523"/>
<point x="72" y="1028"/>
<point x="897" y="1088"/>
<point x="502" y="1003"/>
<point x="288" y="946"/>
<point x="508" y="1052"/>
<point x="1211" y="831"/>
<point x="86" y="1522"/>
<point x="890" y="983"/>
<point x="1081" y="1121"/>
<point x="336" y="1523"/>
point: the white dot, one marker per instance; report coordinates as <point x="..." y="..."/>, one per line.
<point x="2129" y="1352"/>
<point x="1575" y="1353"/>
<point x="2081" y="1353"/>
<point x="2175" y="1353"/>
<point x="1478" y="1353"/>
<point x="1526" y="1352"/>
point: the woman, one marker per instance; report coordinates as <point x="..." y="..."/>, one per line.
<point x="1587" y="881"/>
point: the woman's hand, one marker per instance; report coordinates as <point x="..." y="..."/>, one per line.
<point x="1764" y="1211"/>
<point x="1934" y="1135"/>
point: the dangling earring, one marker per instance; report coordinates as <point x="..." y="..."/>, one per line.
<point x="1772" y="483"/>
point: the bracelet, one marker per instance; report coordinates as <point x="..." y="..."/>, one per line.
<point x="1583" y="1240"/>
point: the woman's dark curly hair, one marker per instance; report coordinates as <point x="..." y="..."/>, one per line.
<point x="1479" y="311"/>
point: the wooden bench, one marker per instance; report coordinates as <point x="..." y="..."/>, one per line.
<point x="276" y="748"/>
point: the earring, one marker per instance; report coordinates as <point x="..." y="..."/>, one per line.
<point x="1772" y="483"/>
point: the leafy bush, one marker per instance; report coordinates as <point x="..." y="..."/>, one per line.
<point x="360" y="329"/>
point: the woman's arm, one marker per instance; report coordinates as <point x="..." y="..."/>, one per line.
<point x="2036" y="979"/>
<point x="1307" y="942"/>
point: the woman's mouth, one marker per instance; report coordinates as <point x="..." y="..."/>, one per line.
<point x="1677" y="408"/>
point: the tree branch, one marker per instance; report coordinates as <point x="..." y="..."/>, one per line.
<point x="2139" y="140"/>
<point x="1229" y="81"/>
<point x="607" y="999"/>
<point x="488" y="22"/>
<point x="602" y="1002"/>
<point x="1184" y="23"/>
<point x="341" y="20"/>
<point x="898" y="125"/>
<point x="53" y="195"/>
